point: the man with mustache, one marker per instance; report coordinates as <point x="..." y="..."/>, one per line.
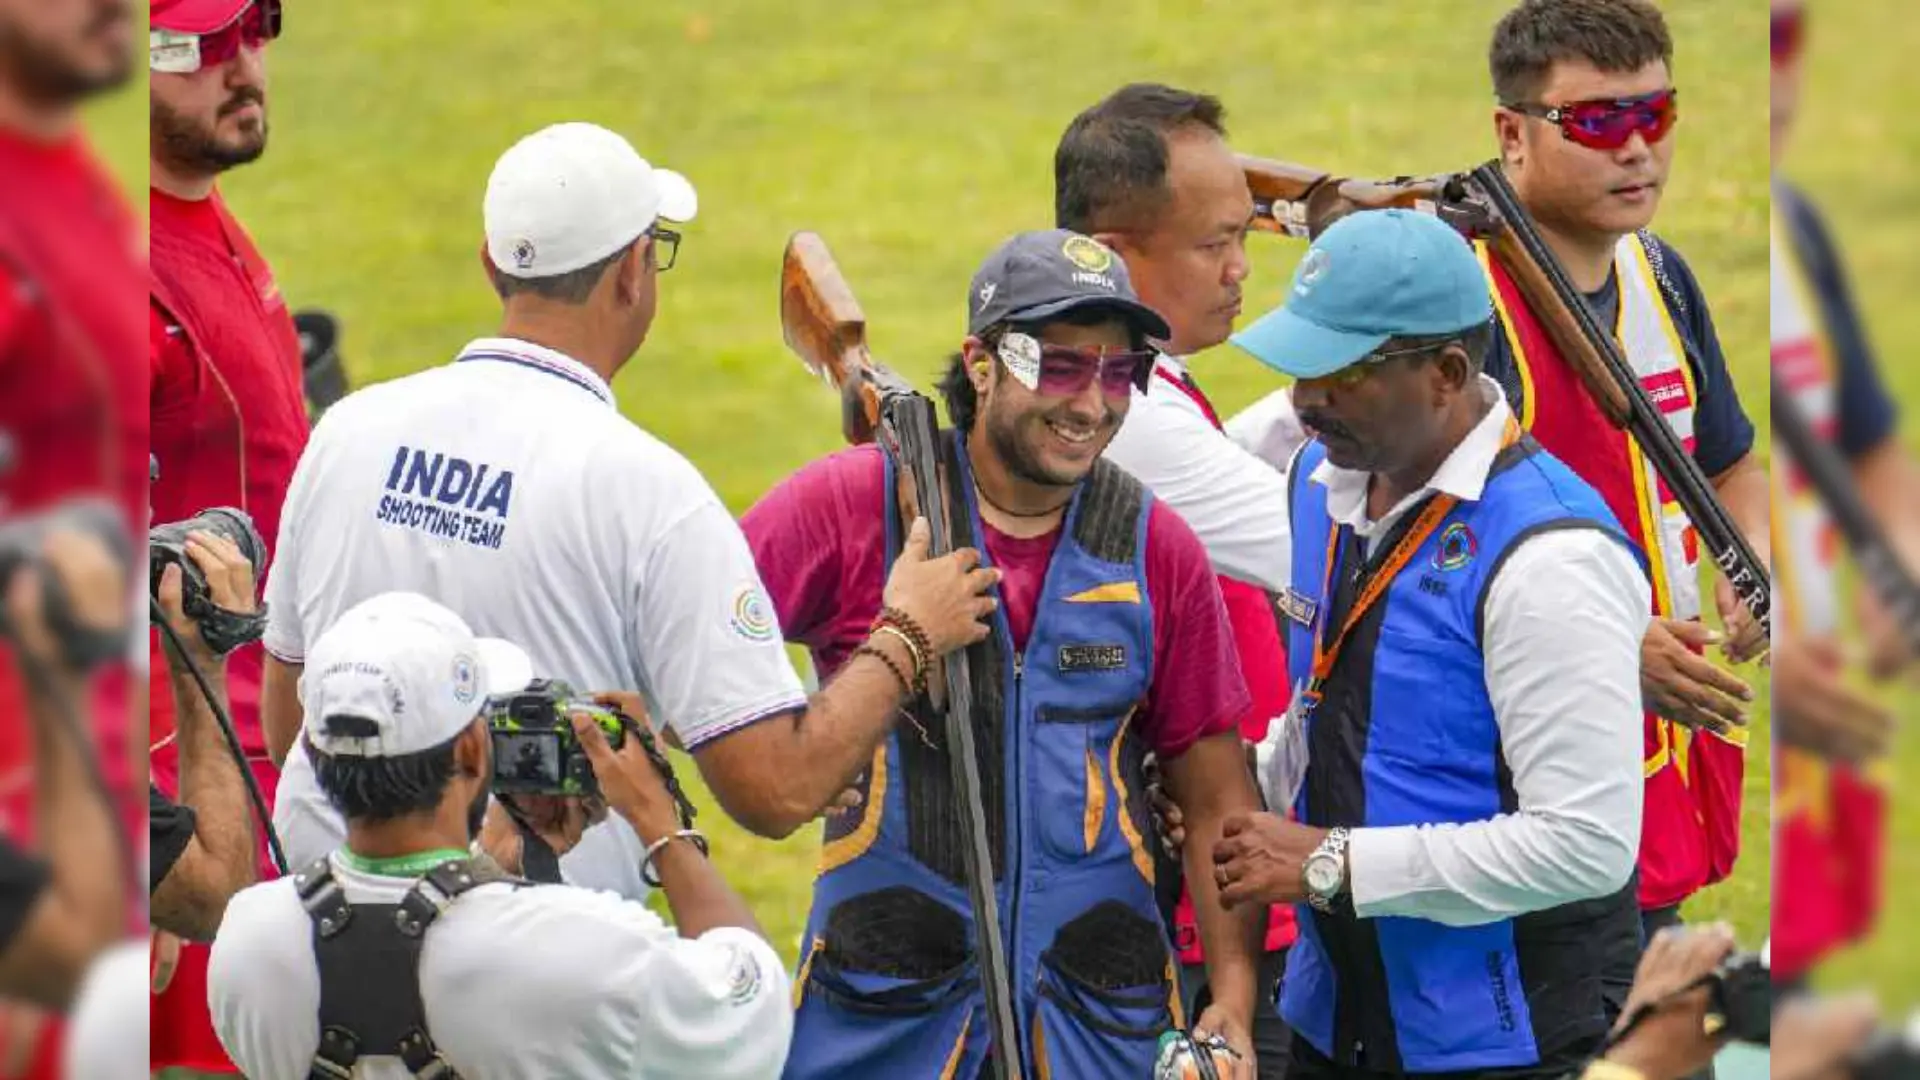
<point x="72" y="384"/>
<point x="1148" y="172"/>
<point x="1585" y="118"/>
<point x="1110" y="640"/>
<point x="228" y="408"/>
<point x="1464" y="618"/>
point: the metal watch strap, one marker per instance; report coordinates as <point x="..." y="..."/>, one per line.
<point x="1334" y="844"/>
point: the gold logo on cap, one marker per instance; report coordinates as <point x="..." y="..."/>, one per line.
<point x="1087" y="253"/>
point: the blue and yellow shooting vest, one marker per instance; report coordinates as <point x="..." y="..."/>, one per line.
<point x="1405" y="735"/>
<point x="888" y="985"/>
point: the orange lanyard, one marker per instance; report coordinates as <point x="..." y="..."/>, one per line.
<point x="1326" y="655"/>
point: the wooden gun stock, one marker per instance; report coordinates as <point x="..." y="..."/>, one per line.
<point x="1299" y="200"/>
<point x="824" y="326"/>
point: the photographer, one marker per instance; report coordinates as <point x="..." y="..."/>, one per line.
<point x="202" y="847"/>
<point x="59" y="910"/>
<point x="499" y="978"/>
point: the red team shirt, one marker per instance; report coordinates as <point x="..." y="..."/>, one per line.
<point x="229" y="421"/>
<point x="819" y="538"/>
<point x="72" y="400"/>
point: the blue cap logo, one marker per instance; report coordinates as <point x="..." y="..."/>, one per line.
<point x="1312" y="269"/>
<point x="1375" y="275"/>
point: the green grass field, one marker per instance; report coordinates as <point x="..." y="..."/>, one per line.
<point x="914" y="139"/>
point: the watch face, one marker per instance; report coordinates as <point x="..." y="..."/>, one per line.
<point x="1323" y="875"/>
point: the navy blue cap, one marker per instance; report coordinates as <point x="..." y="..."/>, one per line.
<point x="1038" y="275"/>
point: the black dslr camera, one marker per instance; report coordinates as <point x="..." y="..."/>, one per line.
<point x="535" y="751"/>
<point x="1743" y="997"/>
<point x="223" y="630"/>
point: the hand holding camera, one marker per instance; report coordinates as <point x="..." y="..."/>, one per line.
<point x="227" y="575"/>
<point x="635" y="778"/>
<point x="205" y="556"/>
<point x="1693" y="992"/>
<point x="63" y="577"/>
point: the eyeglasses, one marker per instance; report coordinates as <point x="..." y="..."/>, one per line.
<point x="1789" y="32"/>
<point x="1066" y="371"/>
<point x="1360" y="370"/>
<point x="1608" y="124"/>
<point x="666" y="246"/>
<point x="173" y="53"/>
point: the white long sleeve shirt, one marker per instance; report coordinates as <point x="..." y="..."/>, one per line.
<point x="1564" y="617"/>
<point x="1235" y="503"/>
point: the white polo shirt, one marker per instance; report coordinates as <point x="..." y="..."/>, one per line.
<point x="507" y="486"/>
<point x="545" y="983"/>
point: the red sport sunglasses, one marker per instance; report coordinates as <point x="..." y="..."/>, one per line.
<point x="1789" y="35"/>
<point x="175" y="53"/>
<point x="1608" y="123"/>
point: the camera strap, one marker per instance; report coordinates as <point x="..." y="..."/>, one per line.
<point x="225" y="631"/>
<point x="369" y="960"/>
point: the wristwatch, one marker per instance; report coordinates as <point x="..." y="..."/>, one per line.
<point x="1325" y="871"/>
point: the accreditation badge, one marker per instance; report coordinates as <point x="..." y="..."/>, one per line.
<point x="1287" y="770"/>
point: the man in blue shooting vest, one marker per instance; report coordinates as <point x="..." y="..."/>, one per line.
<point x="1110" y="640"/>
<point x="1464" y="622"/>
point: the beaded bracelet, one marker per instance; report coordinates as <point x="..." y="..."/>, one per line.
<point x="906" y="685"/>
<point x="691" y="836"/>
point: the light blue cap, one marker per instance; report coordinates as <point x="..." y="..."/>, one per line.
<point x="1374" y="275"/>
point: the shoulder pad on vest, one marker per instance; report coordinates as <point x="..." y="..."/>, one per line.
<point x="1110" y="506"/>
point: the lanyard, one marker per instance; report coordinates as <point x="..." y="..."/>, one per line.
<point x="406" y="866"/>
<point x="1326" y="655"/>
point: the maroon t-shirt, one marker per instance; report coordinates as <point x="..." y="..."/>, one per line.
<point x="819" y="539"/>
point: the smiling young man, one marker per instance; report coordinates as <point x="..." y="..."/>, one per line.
<point x="1464" y="618"/>
<point x="1110" y="640"/>
<point x="1585" y="121"/>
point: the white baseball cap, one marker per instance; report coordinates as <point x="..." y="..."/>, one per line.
<point x="409" y="666"/>
<point x="570" y="195"/>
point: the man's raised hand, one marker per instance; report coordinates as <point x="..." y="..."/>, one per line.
<point x="946" y="596"/>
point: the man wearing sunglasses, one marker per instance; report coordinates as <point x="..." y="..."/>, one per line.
<point x="72" y="384"/>
<point x="1464" y="617"/>
<point x="227" y="401"/>
<point x="1829" y="805"/>
<point x="1109" y="640"/>
<point x="1585" y="121"/>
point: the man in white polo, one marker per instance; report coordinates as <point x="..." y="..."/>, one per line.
<point x="507" y="486"/>
<point x="506" y="982"/>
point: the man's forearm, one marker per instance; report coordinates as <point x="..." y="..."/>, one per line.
<point x="211" y="782"/>
<point x="781" y="773"/>
<point x="74" y="820"/>
<point x="1742" y="488"/>
<point x="699" y="898"/>
<point x="1210" y="783"/>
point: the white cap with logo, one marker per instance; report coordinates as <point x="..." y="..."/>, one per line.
<point x="572" y="194"/>
<point x="409" y="671"/>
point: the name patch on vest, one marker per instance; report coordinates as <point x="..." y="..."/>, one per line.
<point x="1298" y="608"/>
<point x="1092" y="657"/>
